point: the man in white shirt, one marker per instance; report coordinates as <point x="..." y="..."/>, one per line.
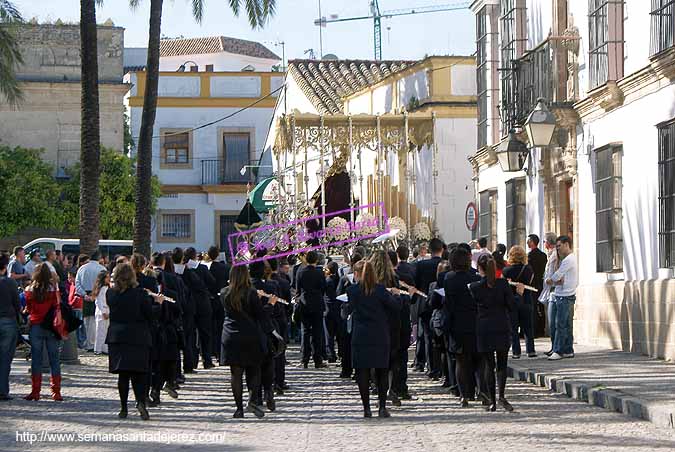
<point x="546" y="295"/>
<point x="479" y="250"/>
<point x="84" y="283"/>
<point x="565" y="281"/>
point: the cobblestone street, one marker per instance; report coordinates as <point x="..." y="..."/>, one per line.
<point x="321" y="412"/>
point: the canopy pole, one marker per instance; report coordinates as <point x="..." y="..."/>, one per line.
<point x="380" y="180"/>
<point x="295" y="168"/>
<point x="323" y="174"/>
<point x="351" y="173"/>
<point x="406" y="137"/>
<point x="434" y="172"/>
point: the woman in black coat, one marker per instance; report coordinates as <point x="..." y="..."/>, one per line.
<point x="495" y="303"/>
<point x="371" y="336"/>
<point x="129" y="339"/>
<point x="519" y="271"/>
<point x="461" y="311"/>
<point x="244" y="345"/>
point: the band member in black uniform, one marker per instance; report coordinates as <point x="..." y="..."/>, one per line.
<point x="461" y="309"/>
<point x="332" y="312"/>
<point x="282" y="323"/>
<point x="371" y="334"/>
<point x="199" y="280"/>
<point x="404" y="274"/>
<point x="257" y="272"/>
<point x="221" y="274"/>
<point x="174" y="283"/>
<point x="345" y="323"/>
<point x="495" y="304"/>
<point x="311" y="286"/>
<point x="426" y="272"/>
<point x="242" y="347"/>
<point x="189" y="306"/>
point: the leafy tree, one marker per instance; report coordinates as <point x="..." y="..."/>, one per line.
<point x="29" y="194"/>
<point x="10" y="56"/>
<point x="117" y="200"/>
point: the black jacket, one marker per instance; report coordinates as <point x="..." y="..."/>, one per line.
<point x="520" y="273"/>
<point x="537" y="259"/>
<point x="130" y="317"/>
<point x="407" y="269"/>
<point x="425" y="274"/>
<point x="9" y="298"/>
<point x="494" y="307"/>
<point x="199" y="291"/>
<point x="312" y="287"/>
<point x="459" y="305"/>
<point x="221" y="275"/>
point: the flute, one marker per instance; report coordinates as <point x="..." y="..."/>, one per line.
<point x="524" y="285"/>
<point x="152" y="294"/>
<point x="414" y="289"/>
<point x="262" y="293"/>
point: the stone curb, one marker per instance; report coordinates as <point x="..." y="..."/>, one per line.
<point x="610" y="399"/>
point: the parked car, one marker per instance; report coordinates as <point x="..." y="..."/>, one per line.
<point x="110" y="248"/>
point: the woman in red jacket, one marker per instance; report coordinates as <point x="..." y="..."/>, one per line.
<point x="41" y="296"/>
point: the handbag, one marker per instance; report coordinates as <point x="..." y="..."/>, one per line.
<point x="53" y="322"/>
<point x="71" y="321"/>
<point x="277" y="344"/>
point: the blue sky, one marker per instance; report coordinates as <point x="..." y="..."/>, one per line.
<point x="408" y="37"/>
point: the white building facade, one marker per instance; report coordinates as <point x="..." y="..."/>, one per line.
<point x="607" y="178"/>
<point x="211" y="123"/>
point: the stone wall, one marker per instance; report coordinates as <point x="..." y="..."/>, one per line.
<point x="52" y="52"/>
<point x="636" y="316"/>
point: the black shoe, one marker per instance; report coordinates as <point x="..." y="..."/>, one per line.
<point x="320" y="365"/>
<point x="454" y="391"/>
<point x="484" y="399"/>
<point x="515" y="356"/>
<point x="405" y="395"/>
<point x="180" y="379"/>
<point x="209" y="365"/>
<point x="532" y="355"/>
<point x="143" y="411"/>
<point x="446" y="384"/>
<point x="394" y="399"/>
<point x="464" y="403"/>
<point x="239" y="413"/>
<point x="332" y="360"/>
<point x="367" y="412"/>
<point x="491" y="408"/>
<point x="506" y="405"/>
<point x="269" y="401"/>
<point x="171" y="391"/>
<point x="278" y="390"/>
<point x="418" y="369"/>
<point x="305" y="365"/>
<point x="255" y="409"/>
<point x="123" y="413"/>
<point x="383" y="412"/>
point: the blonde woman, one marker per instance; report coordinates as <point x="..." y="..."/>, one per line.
<point x="520" y="272"/>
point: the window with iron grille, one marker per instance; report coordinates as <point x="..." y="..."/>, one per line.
<point x="176" y="226"/>
<point x="608" y="211"/>
<point x="605" y="29"/>
<point x="667" y="194"/>
<point x="236" y="147"/>
<point x="513" y="35"/>
<point x="515" y="212"/>
<point x="662" y="25"/>
<point x="176" y="148"/>
<point x="482" y="75"/>
<point x="487" y="217"/>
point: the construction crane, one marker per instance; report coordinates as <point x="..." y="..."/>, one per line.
<point x="376" y="16"/>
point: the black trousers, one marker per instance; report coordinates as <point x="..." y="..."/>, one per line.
<point x="333" y="321"/>
<point x="427" y="336"/>
<point x="189" y="332"/>
<point x="346" y="352"/>
<point x="467" y="364"/>
<point x="420" y="348"/>
<point x="400" y="380"/>
<point x="280" y="361"/>
<point x="266" y="378"/>
<point x="312" y="336"/>
<point x="205" y="331"/>
<point x="163" y="372"/>
<point x="217" y="326"/>
<point x="522" y="317"/>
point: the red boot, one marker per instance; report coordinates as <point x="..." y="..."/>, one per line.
<point x="36" y="380"/>
<point x="55" y="384"/>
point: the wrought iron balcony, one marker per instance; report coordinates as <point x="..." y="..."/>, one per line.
<point x="530" y="77"/>
<point x="218" y="172"/>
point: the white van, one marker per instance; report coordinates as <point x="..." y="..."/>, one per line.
<point x="110" y="248"/>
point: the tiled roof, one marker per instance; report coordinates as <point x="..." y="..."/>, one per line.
<point x="214" y="44"/>
<point x="327" y="82"/>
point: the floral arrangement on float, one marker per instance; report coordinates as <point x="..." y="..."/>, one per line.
<point x="366" y="223"/>
<point x="398" y="223"/>
<point x="421" y="232"/>
<point x="337" y="229"/>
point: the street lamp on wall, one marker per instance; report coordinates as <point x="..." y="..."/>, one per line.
<point x="540" y="125"/>
<point x="512" y="154"/>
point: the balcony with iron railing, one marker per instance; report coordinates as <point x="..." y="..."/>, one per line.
<point x="538" y="73"/>
<point x="219" y="172"/>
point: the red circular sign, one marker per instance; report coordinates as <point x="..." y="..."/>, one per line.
<point x="471" y="216"/>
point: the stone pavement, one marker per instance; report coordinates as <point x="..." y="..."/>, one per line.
<point x="624" y="382"/>
<point x="320" y="413"/>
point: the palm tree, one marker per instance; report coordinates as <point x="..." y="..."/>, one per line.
<point x="258" y="12"/>
<point x="90" y="142"/>
<point x="10" y="56"/>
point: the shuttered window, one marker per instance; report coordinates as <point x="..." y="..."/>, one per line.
<point x="487" y="217"/>
<point x="515" y="212"/>
<point x="667" y="194"/>
<point x="608" y="211"/>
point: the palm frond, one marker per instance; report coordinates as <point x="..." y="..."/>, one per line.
<point x="133" y="4"/>
<point x="10" y="58"/>
<point x="198" y="10"/>
<point x="234" y="6"/>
